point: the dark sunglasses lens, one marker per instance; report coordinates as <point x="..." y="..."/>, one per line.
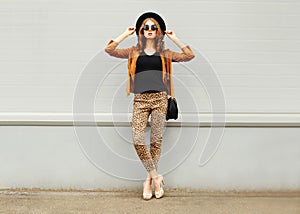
<point x="146" y="27"/>
<point x="153" y="27"/>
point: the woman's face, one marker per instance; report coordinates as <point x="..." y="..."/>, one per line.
<point x="150" y="30"/>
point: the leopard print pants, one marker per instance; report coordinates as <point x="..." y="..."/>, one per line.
<point x="145" y="104"/>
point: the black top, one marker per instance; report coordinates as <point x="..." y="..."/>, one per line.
<point x="148" y="75"/>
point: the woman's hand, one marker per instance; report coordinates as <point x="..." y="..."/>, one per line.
<point x="129" y="31"/>
<point x="171" y="34"/>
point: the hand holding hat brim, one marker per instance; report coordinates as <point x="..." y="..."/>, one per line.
<point x="129" y="31"/>
<point x="169" y="32"/>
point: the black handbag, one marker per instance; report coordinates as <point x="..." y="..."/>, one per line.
<point x="172" y="112"/>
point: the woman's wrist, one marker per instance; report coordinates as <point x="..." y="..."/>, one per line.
<point x="178" y="43"/>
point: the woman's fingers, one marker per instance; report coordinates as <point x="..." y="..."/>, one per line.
<point x="130" y="30"/>
<point x="169" y="32"/>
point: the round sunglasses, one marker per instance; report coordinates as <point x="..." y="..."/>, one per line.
<point x="147" y="27"/>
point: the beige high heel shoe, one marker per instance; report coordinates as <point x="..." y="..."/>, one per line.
<point x="146" y="196"/>
<point x="160" y="192"/>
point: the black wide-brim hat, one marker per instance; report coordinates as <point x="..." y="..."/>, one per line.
<point x="146" y="15"/>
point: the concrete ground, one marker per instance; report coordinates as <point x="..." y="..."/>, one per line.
<point x="174" y="201"/>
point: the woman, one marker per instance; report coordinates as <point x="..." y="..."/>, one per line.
<point x="150" y="79"/>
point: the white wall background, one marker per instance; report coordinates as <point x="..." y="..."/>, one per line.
<point x="252" y="45"/>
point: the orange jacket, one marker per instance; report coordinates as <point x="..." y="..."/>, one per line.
<point x="167" y="57"/>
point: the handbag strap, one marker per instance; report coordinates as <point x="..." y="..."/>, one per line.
<point x="172" y="89"/>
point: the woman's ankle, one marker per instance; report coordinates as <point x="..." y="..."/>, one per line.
<point x="148" y="181"/>
<point x="153" y="174"/>
<point x="157" y="179"/>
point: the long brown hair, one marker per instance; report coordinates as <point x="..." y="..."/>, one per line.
<point x="159" y="43"/>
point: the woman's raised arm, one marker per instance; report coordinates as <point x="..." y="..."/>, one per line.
<point x="112" y="49"/>
<point x="187" y="53"/>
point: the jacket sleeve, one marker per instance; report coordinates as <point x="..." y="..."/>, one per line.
<point x="186" y="55"/>
<point x="111" y="49"/>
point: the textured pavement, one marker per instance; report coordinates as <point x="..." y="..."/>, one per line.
<point x="174" y="201"/>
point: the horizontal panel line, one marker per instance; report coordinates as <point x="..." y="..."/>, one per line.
<point x="169" y="124"/>
<point x="88" y="12"/>
<point x="124" y="119"/>
<point x="81" y="62"/>
<point x="213" y="1"/>
<point x="229" y="2"/>
<point x="86" y="51"/>
<point x="85" y="61"/>
<point x="249" y="63"/>
<point x="41" y="24"/>
<point x="202" y="27"/>
<point x="241" y="39"/>
<point x="222" y="39"/>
